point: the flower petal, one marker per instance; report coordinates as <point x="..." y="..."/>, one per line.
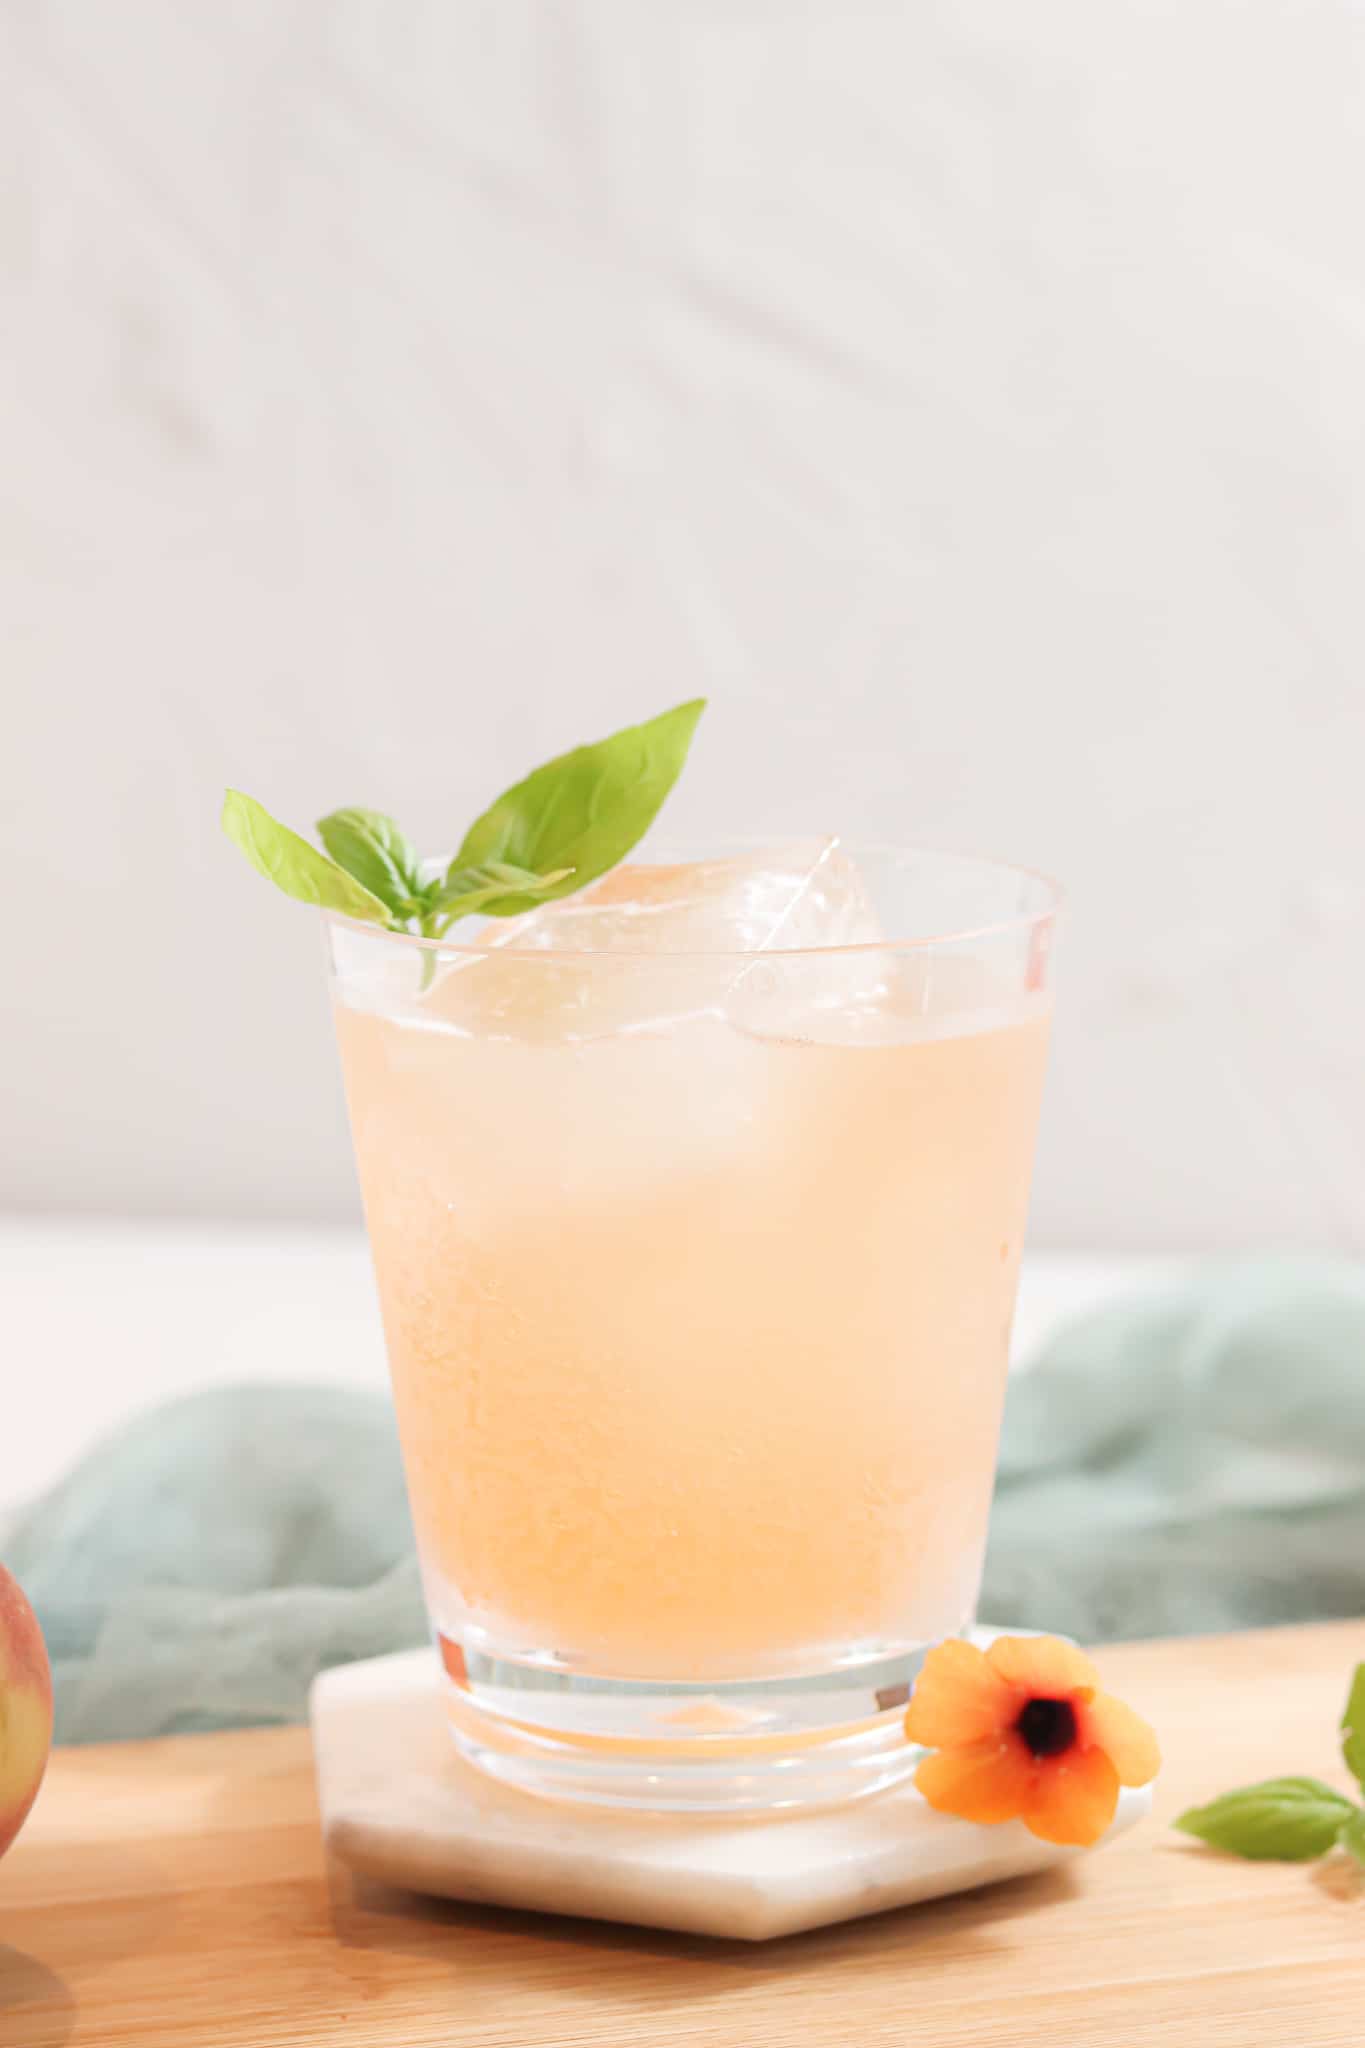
<point x="1073" y="1800"/>
<point x="1045" y="1667"/>
<point x="987" y="1782"/>
<point x="1125" y="1738"/>
<point x="957" y="1699"/>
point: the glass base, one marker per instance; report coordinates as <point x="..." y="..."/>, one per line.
<point x="753" y="1745"/>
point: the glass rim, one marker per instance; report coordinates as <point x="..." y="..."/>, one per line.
<point x="1052" y="892"/>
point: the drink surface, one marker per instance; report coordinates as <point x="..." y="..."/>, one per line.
<point x="697" y="1276"/>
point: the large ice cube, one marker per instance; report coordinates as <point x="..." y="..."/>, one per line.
<point x="807" y="893"/>
<point x="574" y="970"/>
<point x="892" y="995"/>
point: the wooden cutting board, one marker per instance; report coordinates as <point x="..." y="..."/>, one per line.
<point x="174" y="1895"/>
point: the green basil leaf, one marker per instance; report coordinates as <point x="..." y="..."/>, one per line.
<point x="502" y="873"/>
<point x="1284" y="1820"/>
<point x="1353" y="1727"/>
<point x="486" y="888"/>
<point x="522" y="878"/>
<point x="458" y="903"/>
<point x="1352" y="1836"/>
<point x="381" y="857"/>
<point x="582" y="812"/>
<point x="292" y="864"/>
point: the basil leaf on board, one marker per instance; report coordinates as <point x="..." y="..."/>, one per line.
<point x="1284" y="1820"/>
<point x="380" y="856"/>
<point x="1352" y="1836"/>
<point x="293" y="865"/>
<point x="583" y="811"/>
<point x="1353" y="1728"/>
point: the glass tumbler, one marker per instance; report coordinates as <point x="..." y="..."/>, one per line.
<point x="697" y="1263"/>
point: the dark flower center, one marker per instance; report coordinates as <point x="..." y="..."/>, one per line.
<point x="1048" y="1726"/>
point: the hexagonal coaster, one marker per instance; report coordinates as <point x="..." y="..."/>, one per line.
<point x="399" y="1804"/>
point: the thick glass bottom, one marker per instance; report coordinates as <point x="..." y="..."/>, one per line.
<point x="753" y="1745"/>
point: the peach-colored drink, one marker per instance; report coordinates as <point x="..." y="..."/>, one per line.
<point x="698" y="1342"/>
<point x="697" y="1281"/>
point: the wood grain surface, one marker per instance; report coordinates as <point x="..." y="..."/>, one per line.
<point x="174" y="1895"/>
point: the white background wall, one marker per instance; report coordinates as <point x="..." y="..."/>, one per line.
<point x="969" y="396"/>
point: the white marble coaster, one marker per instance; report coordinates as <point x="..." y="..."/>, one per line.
<point x="399" y="1804"/>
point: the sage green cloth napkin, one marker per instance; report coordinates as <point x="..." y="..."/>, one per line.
<point x="1186" y="1461"/>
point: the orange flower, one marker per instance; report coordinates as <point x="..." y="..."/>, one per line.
<point x="1021" y="1731"/>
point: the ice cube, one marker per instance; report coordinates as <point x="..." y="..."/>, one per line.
<point x="543" y="997"/>
<point x="891" y="996"/>
<point x="573" y="970"/>
<point x="807" y="893"/>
